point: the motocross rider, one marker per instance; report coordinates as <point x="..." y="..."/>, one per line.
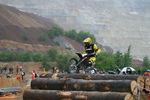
<point x="92" y="50"/>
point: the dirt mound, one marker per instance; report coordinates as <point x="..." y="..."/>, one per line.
<point x="14" y="25"/>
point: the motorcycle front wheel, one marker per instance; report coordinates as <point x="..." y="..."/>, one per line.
<point x="71" y="65"/>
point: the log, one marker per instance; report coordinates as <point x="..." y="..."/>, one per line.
<point x="140" y="82"/>
<point x="139" y="79"/>
<point x="85" y="85"/>
<point x="91" y="76"/>
<point x="74" y="95"/>
<point x="147" y="84"/>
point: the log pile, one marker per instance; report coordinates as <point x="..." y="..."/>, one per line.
<point x="88" y="87"/>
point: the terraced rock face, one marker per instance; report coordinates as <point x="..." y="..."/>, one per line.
<point x="115" y="23"/>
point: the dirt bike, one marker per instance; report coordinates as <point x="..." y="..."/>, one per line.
<point x="83" y="64"/>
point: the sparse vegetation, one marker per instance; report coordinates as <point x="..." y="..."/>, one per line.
<point x="105" y="60"/>
<point x="68" y="48"/>
<point x="55" y="31"/>
<point x="25" y="37"/>
<point x="79" y="36"/>
<point x="57" y="43"/>
<point x="42" y="37"/>
<point x="108" y="61"/>
<point x="37" y="57"/>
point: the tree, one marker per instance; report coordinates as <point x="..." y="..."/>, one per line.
<point x="37" y="57"/>
<point x="71" y="34"/>
<point x="26" y="56"/>
<point x="119" y="59"/>
<point x="105" y="61"/>
<point x="127" y="57"/>
<point x="146" y="62"/>
<point x="55" y="31"/>
<point x="62" y="60"/>
<point x="82" y="35"/>
<point x="52" y="53"/>
<point x="6" y="56"/>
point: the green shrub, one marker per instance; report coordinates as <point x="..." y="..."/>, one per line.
<point x="55" y="31"/>
<point x="68" y="48"/>
<point x="25" y="37"/>
<point x="37" y="57"/>
<point x="52" y="53"/>
<point x="42" y="37"/>
<point x="57" y="43"/>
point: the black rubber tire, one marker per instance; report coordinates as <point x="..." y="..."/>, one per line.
<point x="68" y="63"/>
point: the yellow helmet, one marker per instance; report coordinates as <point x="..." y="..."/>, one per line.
<point x="88" y="40"/>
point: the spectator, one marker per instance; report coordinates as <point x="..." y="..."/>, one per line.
<point x="139" y="72"/>
<point x="5" y="69"/>
<point x="11" y="70"/>
<point x="7" y="75"/>
<point x="54" y="69"/>
<point x="17" y="69"/>
<point x="103" y="70"/>
<point x="147" y="73"/>
<point x="117" y="70"/>
<point x="18" y="77"/>
<point x="34" y="74"/>
<point x="62" y="71"/>
<point x="57" y="70"/>
<point x="20" y="68"/>
<point x="23" y="74"/>
<point x="2" y="70"/>
<point x="100" y="72"/>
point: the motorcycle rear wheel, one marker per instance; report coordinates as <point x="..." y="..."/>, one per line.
<point x="71" y="65"/>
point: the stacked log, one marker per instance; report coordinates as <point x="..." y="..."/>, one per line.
<point x="147" y="84"/>
<point x="139" y="79"/>
<point x="87" y="87"/>
<point x="74" y="95"/>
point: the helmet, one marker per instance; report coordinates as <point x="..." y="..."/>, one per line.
<point x="88" y="40"/>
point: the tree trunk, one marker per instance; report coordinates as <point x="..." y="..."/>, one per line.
<point x="91" y="76"/>
<point x="139" y="79"/>
<point x="74" y="95"/>
<point x="85" y="85"/>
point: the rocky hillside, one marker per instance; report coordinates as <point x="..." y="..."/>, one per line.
<point x="115" y="23"/>
<point x="12" y="46"/>
<point x="16" y="25"/>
